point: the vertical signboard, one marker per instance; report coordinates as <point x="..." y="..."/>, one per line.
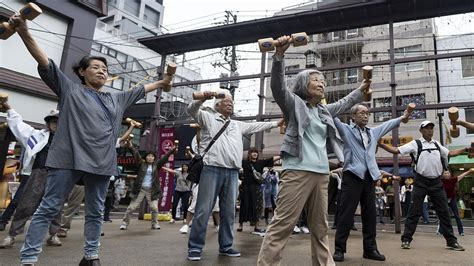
<point x="166" y="179"/>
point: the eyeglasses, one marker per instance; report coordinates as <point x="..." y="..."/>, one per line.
<point x="323" y="81"/>
<point x="363" y="113"/>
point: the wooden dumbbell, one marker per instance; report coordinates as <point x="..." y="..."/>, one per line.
<point x="453" y="114"/>
<point x="187" y="152"/>
<point x="269" y="44"/>
<point x="199" y="95"/>
<point x="410" y="108"/>
<point x="283" y="128"/>
<point x="3" y="100"/>
<point x="168" y="78"/>
<point x="367" y="74"/>
<point x="135" y="123"/>
<point x="176" y="145"/>
<point x="30" y="12"/>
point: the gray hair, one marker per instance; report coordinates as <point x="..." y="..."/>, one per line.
<point x="302" y="81"/>
<point x="219" y="100"/>
<point x="356" y="107"/>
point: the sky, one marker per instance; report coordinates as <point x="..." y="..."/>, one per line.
<point x="183" y="15"/>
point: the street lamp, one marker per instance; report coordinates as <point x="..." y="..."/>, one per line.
<point x="310" y="58"/>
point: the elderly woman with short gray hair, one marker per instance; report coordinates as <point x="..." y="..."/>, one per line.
<point x="305" y="177"/>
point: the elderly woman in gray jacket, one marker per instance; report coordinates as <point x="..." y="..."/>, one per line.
<point x="305" y="177"/>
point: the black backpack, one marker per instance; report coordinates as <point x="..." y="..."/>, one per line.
<point x="420" y="149"/>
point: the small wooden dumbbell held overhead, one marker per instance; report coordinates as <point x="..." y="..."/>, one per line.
<point x="269" y="44"/>
<point x="453" y="114"/>
<point x="30" y="12"/>
<point x="367" y="74"/>
<point x="199" y="95"/>
<point x="135" y="123"/>
<point x="283" y="128"/>
<point x="176" y="145"/>
<point x="3" y="100"/>
<point x="187" y="152"/>
<point x="170" y="71"/>
<point x="410" y="108"/>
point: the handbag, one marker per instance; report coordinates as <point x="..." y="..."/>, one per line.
<point x="257" y="175"/>
<point x="196" y="164"/>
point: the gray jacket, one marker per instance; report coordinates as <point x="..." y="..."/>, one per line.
<point x="296" y="113"/>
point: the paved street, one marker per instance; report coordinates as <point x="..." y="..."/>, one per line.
<point x="141" y="246"/>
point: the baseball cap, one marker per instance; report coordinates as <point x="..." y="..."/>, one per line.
<point x="426" y="123"/>
<point x="52" y="114"/>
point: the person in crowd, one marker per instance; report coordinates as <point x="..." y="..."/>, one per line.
<point x="405" y="196"/>
<point x="219" y="175"/>
<point x="147" y="185"/>
<point x="380" y="200"/>
<point x="84" y="143"/>
<point x="251" y="197"/>
<point x="192" y="207"/>
<point x="119" y="191"/>
<point x="389" y="192"/>
<point x="73" y="203"/>
<point x="36" y="144"/>
<point x="425" y="212"/>
<point x="109" y="200"/>
<point x="182" y="191"/>
<point x="360" y="171"/>
<point x="270" y="192"/>
<point x="8" y="212"/>
<point x="449" y="183"/>
<point x="337" y="174"/>
<point x="305" y="176"/>
<point x="430" y="160"/>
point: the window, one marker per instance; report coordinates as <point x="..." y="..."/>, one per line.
<point x="352" y="75"/>
<point x="132" y="6"/>
<point x="112" y="52"/>
<point x="132" y="84"/>
<point x="338" y="35"/>
<point x="122" y="59"/>
<point x="352" y="33"/>
<point x="151" y="16"/>
<point x="469" y="118"/>
<point x="404" y="100"/>
<point x="104" y="49"/>
<point x="467" y="64"/>
<point x="117" y="84"/>
<point x="99" y="6"/>
<point x="409" y="51"/>
<point x="96" y="46"/>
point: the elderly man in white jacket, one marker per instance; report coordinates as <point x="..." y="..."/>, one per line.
<point x="36" y="145"/>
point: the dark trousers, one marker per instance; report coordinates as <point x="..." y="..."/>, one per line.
<point x="434" y="189"/>
<point x="109" y="203"/>
<point x="8" y="213"/>
<point x="338" y="203"/>
<point x="353" y="190"/>
<point x="184" y="196"/>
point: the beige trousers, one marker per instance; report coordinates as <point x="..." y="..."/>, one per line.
<point x="136" y="202"/>
<point x="298" y="190"/>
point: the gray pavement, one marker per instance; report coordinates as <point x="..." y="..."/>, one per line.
<point x="141" y="246"/>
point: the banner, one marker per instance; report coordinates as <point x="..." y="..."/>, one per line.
<point x="166" y="179"/>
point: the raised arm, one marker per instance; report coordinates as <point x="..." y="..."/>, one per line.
<point x="249" y="128"/>
<point x="465" y="124"/>
<point x="454" y="153"/>
<point x="30" y="43"/>
<point x="159" y="163"/>
<point x="21" y="130"/>
<point x="468" y="172"/>
<point x="344" y="104"/>
<point x="389" y="148"/>
<point x="127" y="133"/>
<point x="169" y="170"/>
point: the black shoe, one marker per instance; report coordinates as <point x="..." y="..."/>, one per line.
<point x="373" y="255"/>
<point x="258" y="230"/>
<point x="354" y="228"/>
<point x="338" y="255"/>
<point x="455" y="246"/>
<point x="93" y="262"/>
<point x="333" y="226"/>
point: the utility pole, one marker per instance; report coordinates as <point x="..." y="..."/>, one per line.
<point x="230" y="58"/>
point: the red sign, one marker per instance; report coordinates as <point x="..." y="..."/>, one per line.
<point x="166" y="179"/>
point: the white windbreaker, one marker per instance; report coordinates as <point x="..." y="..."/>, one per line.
<point x="32" y="140"/>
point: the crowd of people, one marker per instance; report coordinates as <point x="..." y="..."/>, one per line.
<point x="74" y="160"/>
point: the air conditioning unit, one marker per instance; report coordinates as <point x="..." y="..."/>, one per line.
<point x="352" y="33"/>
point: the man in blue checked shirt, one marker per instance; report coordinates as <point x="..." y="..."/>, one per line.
<point x="359" y="175"/>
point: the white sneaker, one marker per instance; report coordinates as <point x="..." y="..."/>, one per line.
<point x="304" y="229"/>
<point x="296" y="230"/>
<point x="172" y="221"/>
<point x="184" y="229"/>
<point x="123" y="227"/>
<point x="8" y="242"/>
<point x="155" y="226"/>
<point x="216" y="229"/>
<point x="53" y="241"/>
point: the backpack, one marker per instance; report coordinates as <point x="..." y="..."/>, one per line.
<point x="420" y="150"/>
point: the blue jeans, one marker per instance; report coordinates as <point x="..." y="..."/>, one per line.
<point x="59" y="183"/>
<point x="426" y="214"/>
<point x="215" y="181"/>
